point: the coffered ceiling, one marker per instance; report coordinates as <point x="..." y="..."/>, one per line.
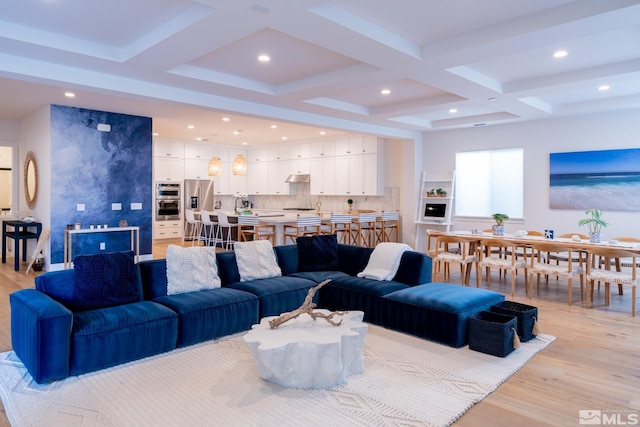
<point x="446" y="64"/>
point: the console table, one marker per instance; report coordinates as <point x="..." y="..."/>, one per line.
<point x="20" y="232"/>
<point x="68" y="240"/>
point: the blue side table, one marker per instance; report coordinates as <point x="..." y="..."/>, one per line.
<point x="21" y="231"/>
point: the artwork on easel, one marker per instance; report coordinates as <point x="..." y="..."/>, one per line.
<point x="605" y="179"/>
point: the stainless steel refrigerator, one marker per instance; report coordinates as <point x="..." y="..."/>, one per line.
<point x="198" y="195"/>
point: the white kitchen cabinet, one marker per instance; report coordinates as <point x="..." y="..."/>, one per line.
<point x="349" y="145"/>
<point x="278" y="152"/>
<point x="257" y="155"/>
<point x="196" y="169"/>
<point x="299" y="150"/>
<point x="168" y="169"/>
<point x="167" y="230"/>
<point x="277" y="172"/>
<point x="227" y="183"/>
<point x="258" y="178"/>
<point x="325" y="148"/>
<point x="199" y="151"/>
<point x="323" y="176"/>
<point x="168" y="148"/>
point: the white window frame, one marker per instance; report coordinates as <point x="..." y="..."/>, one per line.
<point x="488" y="182"/>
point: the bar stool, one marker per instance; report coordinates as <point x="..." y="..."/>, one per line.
<point x="307" y="225"/>
<point x="386" y="226"/>
<point x="193" y="226"/>
<point x="363" y="230"/>
<point x="223" y="223"/>
<point x="208" y="227"/>
<point x="340" y="225"/>
<point x="249" y="225"/>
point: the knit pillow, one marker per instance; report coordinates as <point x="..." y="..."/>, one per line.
<point x="191" y="269"/>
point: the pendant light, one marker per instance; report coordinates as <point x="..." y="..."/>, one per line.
<point x="239" y="166"/>
<point x="215" y="167"/>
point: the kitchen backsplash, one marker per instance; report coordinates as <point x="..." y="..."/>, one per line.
<point x="303" y="199"/>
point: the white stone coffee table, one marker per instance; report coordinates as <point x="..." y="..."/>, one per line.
<point x="304" y="353"/>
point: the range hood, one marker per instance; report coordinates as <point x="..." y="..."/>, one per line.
<point x="302" y="177"/>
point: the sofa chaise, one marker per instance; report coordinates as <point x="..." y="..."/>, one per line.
<point x="60" y="328"/>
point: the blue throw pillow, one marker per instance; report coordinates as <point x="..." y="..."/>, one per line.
<point x="318" y="253"/>
<point x="105" y="280"/>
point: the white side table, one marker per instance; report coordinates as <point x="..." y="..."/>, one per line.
<point x="304" y="353"/>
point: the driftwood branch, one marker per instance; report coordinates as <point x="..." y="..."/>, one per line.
<point x="307" y="307"/>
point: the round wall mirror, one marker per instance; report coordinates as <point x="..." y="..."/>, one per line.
<point x="31" y="179"/>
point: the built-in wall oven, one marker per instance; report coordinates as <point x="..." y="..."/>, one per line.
<point x="168" y="198"/>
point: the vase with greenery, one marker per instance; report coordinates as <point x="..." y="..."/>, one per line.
<point x="498" y="228"/>
<point x="595" y="223"/>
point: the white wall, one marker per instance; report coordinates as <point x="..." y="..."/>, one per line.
<point x="540" y="138"/>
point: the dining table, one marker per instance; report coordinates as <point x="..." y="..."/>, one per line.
<point x="521" y="239"/>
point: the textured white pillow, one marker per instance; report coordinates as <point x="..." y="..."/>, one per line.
<point x="256" y="260"/>
<point x="191" y="269"/>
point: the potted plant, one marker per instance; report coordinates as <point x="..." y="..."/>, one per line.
<point x="350" y="203"/>
<point x="431" y="193"/>
<point x="498" y="228"/>
<point x="441" y="193"/>
<point x="595" y="223"/>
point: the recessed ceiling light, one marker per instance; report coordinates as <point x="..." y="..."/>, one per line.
<point x="284" y="138"/>
<point x="264" y="58"/>
<point x="274" y="126"/>
<point x="322" y="132"/>
<point x="191" y="127"/>
<point x="560" y="53"/>
<point x="385" y="91"/>
<point x="70" y="94"/>
<point x="225" y="119"/>
<point x="237" y="132"/>
<point x="155" y="134"/>
<point x="244" y="142"/>
<point x="198" y="139"/>
<point x="453" y="110"/>
<point x="602" y="88"/>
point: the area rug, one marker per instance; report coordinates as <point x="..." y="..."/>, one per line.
<point x="407" y="381"/>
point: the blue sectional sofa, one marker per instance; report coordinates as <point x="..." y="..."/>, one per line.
<point x="58" y="331"/>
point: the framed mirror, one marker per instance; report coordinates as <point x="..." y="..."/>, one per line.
<point x="31" y="179"/>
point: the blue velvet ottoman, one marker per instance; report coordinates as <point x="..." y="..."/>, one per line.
<point x="437" y="311"/>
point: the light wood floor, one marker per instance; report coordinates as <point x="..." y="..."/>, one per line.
<point x="593" y="364"/>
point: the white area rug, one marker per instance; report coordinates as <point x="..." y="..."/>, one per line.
<point x="407" y="381"/>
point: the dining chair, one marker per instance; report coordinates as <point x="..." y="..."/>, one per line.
<point x="306" y="225"/>
<point x="431" y="252"/>
<point x="602" y="272"/>
<point x="249" y="225"/>
<point x="507" y="260"/>
<point x="363" y="229"/>
<point x="224" y="225"/>
<point x="340" y="225"/>
<point x="192" y="227"/>
<point x="208" y="228"/>
<point x="388" y="225"/>
<point x="465" y="257"/>
<point x="540" y="265"/>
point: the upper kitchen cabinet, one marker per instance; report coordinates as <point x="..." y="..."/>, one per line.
<point x="299" y="150"/>
<point x="168" y="169"/>
<point x="360" y="173"/>
<point x="325" y="148"/>
<point x="258" y="154"/>
<point x="196" y="169"/>
<point x="323" y="176"/>
<point x="200" y="151"/>
<point x="168" y="148"/>
<point x="277" y="153"/>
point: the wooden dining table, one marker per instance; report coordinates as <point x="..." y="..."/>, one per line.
<point x="573" y="243"/>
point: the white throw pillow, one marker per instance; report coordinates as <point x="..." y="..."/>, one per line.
<point x="191" y="269"/>
<point x="256" y="260"/>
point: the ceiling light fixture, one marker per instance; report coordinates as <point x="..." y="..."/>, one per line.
<point x="560" y="54"/>
<point x="225" y="119"/>
<point x="237" y="132"/>
<point x="385" y="91"/>
<point x="453" y="110"/>
<point x="215" y="167"/>
<point x="284" y="138"/>
<point x="602" y="88"/>
<point x="190" y="127"/>
<point x="70" y="94"/>
<point x="264" y="58"/>
<point x="274" y="126"/>
<point x="322" y="132"/>
<point x="239" y="166"/>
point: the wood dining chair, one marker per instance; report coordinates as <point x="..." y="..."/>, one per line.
<point x="507" y="259"/>
<point x="539" y="265"/>
<point x="306" y="225"/>
<point x="363" y="229"/>
<point x="465" y="257"/>
<point x="340" y="225"/>
<point x="602" y="272"/>
<point x="249" y="225"/>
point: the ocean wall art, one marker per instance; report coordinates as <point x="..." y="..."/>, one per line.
<point x="605" y="179"/>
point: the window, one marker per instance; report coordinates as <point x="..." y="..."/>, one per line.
<point x="489" y="182"/>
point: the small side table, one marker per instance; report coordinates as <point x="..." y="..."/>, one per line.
<point x="21" y="231"/>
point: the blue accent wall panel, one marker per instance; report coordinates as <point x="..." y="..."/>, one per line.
<point x="98" y="169"/>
